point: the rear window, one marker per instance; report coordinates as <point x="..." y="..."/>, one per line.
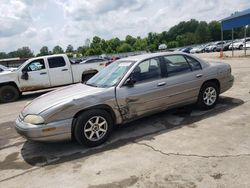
<point x="195" y="65"/>
<point x="55" y="62"/>
<point x="176" y="64"/>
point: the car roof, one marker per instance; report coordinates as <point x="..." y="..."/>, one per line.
<point x="150" y="55"/>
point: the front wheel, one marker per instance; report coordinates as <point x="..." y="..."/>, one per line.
<point x="208" y="96"/>
<point x="8" y="93"/>
<point x="93" y="127"/>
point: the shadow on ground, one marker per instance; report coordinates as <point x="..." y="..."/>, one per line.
<point x="43" y="154"/>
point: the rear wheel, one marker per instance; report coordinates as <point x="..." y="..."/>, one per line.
<point x="208" y="96"/>
<point x="241" y="47"/>
<point x="8" y="93"/>
<point x="86" y="77"/>
<point x="93" y="127"/>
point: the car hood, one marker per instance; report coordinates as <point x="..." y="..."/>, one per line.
<point x="60" y="96"/>
<point x="5" y="72"/>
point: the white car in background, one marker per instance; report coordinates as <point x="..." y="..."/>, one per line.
<point x="3" y="68"/>
<point x="248" y="44"/>
<point x="239" y="44"/>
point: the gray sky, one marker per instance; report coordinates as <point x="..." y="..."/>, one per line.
<point x="36" y="23"/>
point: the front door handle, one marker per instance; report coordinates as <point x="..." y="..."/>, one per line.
<point x="42" y="73"/>
<point x="161" y="84"/>
<point x="199" y="75"/>
<point x="65" y="69"/>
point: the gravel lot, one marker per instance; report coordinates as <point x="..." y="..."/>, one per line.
<point x="182" y="147"/>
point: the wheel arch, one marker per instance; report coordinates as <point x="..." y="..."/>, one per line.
<point x="216" y="81"/>
<point x="11" y="84"/>
<point x="105" y="107"/>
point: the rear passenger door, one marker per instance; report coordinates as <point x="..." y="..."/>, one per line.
<point x="183" y="79"/>
<point x="59" y="71"/>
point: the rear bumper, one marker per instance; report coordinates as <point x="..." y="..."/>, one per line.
<point x="55" y="131"/>
<point x="226" y="85"/>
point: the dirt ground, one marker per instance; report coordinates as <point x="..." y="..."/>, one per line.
<point x="178" y="148"/>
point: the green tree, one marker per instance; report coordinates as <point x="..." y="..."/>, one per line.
<point x="153" y="41"/>
<point x="202" y="32"/>
<point x="90" y="52"/>
<point x="140" y="44"/>
<point x="3" y="55"/>
<point x="69" y="49"/>
<point x="125" y="47"/>
<point x="130" y="40"/>
<point x="114" y="44"/>
<point x="172" y="44"/>
<point x="24" y="52"/>
<point x="215" y="30"/>
<point x="58" y="50"/>
<point x="186" y="39"/>
<point x="44" y="51"/>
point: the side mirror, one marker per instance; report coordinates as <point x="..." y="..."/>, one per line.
<point x="129" y="82"/>
<point x="25" y="75"/>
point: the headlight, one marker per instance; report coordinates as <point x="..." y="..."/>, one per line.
<point x="34" y="119"/>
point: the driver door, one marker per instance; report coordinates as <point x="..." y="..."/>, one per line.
<point x="37" y="78"/>
<point x="146" y="95"/>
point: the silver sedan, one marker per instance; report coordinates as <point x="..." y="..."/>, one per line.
<point x="125" y="90"/>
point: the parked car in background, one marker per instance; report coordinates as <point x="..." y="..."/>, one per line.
<point x="126" y="90"/>
<point x="239" y="44"/>
<point x="44" y="72"/>
<point x="93" y="60"/>
<point x="248" y="44"/>
<point x="3" y="68"/>
<point x="224" y="47"/>
<point x="213" y="46"/>
<point x="186" y="50"/>
<point x="195" y="49"/>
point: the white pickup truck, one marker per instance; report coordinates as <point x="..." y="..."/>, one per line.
<point x="44" y="72"/>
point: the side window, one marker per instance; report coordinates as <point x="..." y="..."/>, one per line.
<point x="195" y="65"/>
<point x="147" y="70"/>
<point x="55" y="62"/>
<point x="176" y="64"/>
<point x="35" y="65"/>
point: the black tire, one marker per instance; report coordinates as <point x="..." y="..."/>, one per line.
<point x="241" y="47"/>
<point x="202" y="103"/>
<point x="82" y="125"/>
<point x="8" y="93"/>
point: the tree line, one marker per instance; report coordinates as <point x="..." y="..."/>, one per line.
<point x="183" y="34"/>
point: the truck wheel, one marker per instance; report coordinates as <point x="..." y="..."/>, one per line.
<point x="8" y="93"/>
<point x="208" y="96"/>
<point x="93" y="127"/>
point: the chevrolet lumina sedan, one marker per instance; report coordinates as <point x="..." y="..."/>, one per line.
<point x="125" y="90"/>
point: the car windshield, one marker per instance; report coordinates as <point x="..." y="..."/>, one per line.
<point x="110" y="75"/>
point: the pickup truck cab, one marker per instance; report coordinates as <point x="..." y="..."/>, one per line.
<point x="44" y="72"/>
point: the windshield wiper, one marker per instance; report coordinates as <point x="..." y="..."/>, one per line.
<point x="90" y="85"/>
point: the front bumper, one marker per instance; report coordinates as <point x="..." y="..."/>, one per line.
<point x="51" y="132"/>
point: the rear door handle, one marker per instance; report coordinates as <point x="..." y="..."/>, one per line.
<point x="199" y="75"/>
<point x="161" y="84"/>
<point x="65" y="69"/>
<point x="43" y="73"/>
